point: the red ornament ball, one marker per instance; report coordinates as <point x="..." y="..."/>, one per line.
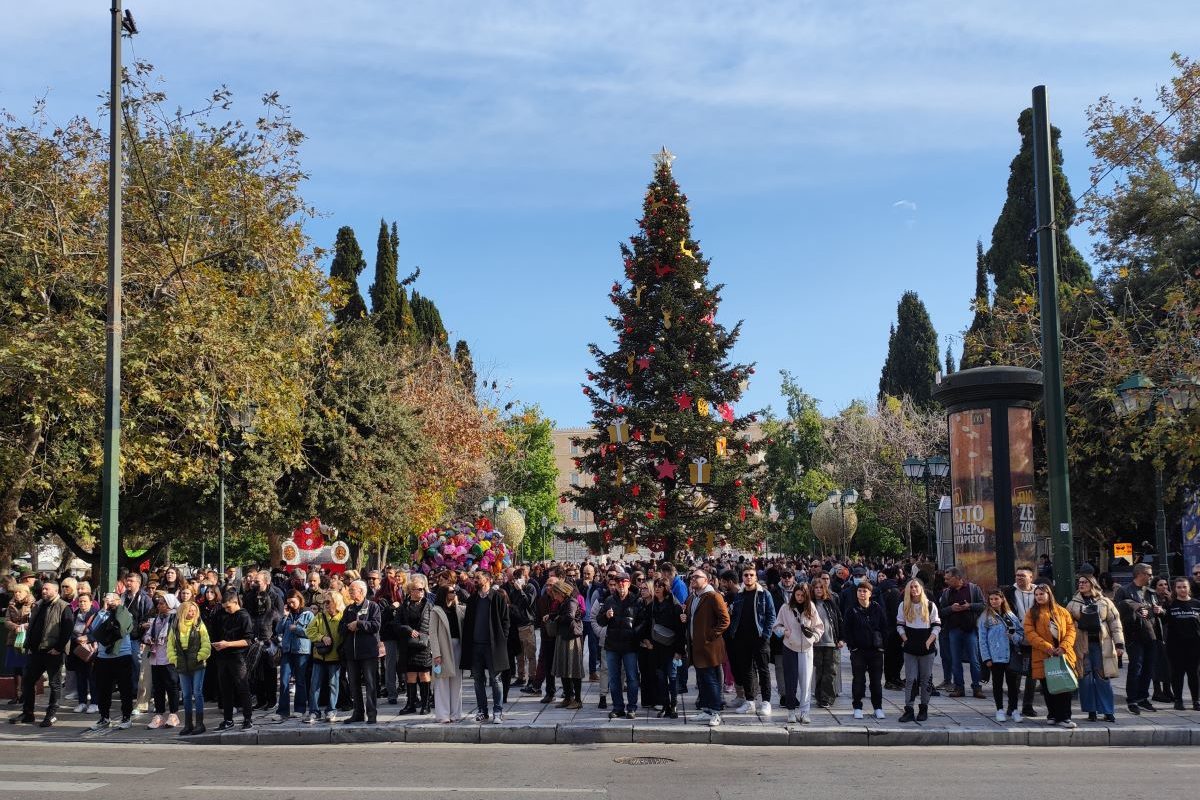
<point x="628" y="384"/>
<point x="628" y="329"/>
<point x="738" y="482"/>
<point x="620" y="409"/>
<point x="651" y="348"/>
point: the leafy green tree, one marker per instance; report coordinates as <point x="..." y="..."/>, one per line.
<point x="525" y="470"/>
<point x="428" y="321"/>
<point x="348" y="264"/>
<point x="912" y="359"/>
<point x="466" y="365"/>
<point x="386" y="301"/>
<point x="796" y="455"/>
<point x="669" y="384"/>
<point x="973" y="343"/>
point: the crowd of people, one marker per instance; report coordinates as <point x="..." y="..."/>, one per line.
<point x="319" y="646"/>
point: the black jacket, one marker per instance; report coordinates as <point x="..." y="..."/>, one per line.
<point x="498" y="627"/>
<point x="228" y="627"/>
<point x="859" y="626"/>
<point x="51" y="626"/>
<point x="666" y="614"/>
<point x="363" y="642"/>
<point x="627" y="626"/>
<point x="520" y="604"/>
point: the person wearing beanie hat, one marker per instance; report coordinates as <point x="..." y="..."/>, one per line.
<point x="164" y="680"/>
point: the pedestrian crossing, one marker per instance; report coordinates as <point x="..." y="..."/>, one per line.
<point x="26" y="786"/>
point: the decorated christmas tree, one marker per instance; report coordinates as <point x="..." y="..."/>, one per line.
<point x="670" y="457"/>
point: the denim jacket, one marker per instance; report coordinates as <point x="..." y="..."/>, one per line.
<point x="764" y="612"/>
<point x="994" y="642"/>
<point x="292" y="632"/>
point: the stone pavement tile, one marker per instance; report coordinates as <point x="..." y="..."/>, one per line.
<point x="671" y="734"/>
<point x="362" y="734"/>
<point x="931" y="737"/>
<point x="517" y="734"/>
<point x="996" y="735"/>
<point x="606" y="733"/>
<point x="307" y="734"/>
<point x="849" y="735"/>
<point x="239" y="737"/>
<point x="749" y="735"/>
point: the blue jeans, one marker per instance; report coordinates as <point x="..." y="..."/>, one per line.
<point x="481" y="660"/>
<point x="1141" y="657"/>
<point x="1095" y="690"/>
<point x="627" y="662"/>
<point x="293" y="665"/>
<point x="964" y="646"/>
<point x="665" y="675"/>
<point x="593" y="648"/>
<point x="324" y="673"/>
<point x="192" y="687"/>
<point x="708" y="689"/>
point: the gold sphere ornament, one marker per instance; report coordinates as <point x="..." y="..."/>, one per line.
<point x="827" y="524"/>
<point x="512" y="525"/>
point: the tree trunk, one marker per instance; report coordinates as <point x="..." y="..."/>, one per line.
<point x="10" y="500"/>
<point x="274" y="548"/>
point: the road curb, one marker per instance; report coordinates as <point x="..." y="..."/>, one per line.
<point x="756" y="736"/>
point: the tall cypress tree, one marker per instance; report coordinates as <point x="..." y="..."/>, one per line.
<point x="385" y="291"/>
<point x="466" y="365"/>
<point x="1014" y="244"/>
<point x="669" y="454"/>
<point x="974" y="345"/>
<point x="428" y="319"/>
<point x="348" y="264"/>
<point x="913" y="358"/>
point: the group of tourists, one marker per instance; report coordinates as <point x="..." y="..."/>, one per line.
<point x="329" y="648"/>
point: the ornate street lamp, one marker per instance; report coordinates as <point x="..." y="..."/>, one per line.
<point x="1136" y="396"/>
<point x="925" y="470"/>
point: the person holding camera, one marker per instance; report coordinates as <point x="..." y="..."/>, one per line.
<point x="799" y="627"/>
<point x="1098" y="644"/>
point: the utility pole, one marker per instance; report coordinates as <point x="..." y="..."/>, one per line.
<point x="111" y="476"/>
<point x="1053" y="404"/>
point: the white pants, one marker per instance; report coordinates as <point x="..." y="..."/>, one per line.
<point x="447" y="692"/>
<point x="797" y="689"/>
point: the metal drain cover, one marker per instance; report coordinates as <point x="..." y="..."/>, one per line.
<point x="642" y="761"/>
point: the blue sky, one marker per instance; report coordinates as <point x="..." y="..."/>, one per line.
<point x="834" y="154"/>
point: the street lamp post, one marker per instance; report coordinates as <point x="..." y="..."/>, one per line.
<point x="812" y="509"/>
<point x="545" y="535"/>
<point x="242" y="421"/>
<point x="924" y="470"/>
<point x="1137" y="396"/>
<point x="843" y="499"/>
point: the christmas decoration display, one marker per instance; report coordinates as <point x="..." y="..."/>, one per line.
<point x="463" y="545"/>
<point x="314" y="544"/>
<point x="670" y="378"/>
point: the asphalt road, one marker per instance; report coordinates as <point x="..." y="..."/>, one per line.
<point x="133" y="772"/>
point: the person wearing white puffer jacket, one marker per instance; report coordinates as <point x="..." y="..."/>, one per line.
<point x="800" y="627"/>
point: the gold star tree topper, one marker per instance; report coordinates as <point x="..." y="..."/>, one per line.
<point x="663" y="158"/>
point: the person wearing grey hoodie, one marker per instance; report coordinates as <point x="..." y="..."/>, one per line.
<point x="164" y="681"/>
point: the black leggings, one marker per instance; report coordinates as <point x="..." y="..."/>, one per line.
<point x="1184" y="656"/>
<point x="1001" y="677"/>
<point x="1058" y="706"/>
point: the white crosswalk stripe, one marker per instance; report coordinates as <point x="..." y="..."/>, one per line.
<point x="79" y="769"/>
<point x="48" y="786"/>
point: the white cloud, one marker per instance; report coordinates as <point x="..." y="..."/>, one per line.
<point x="906" y="205"/>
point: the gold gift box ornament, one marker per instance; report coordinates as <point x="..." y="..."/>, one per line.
<point x="700" y="471"/>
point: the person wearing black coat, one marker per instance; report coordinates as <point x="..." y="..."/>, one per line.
<point x="231" y="634"/>
<point x="412" y="620"/>
<point x="485" y="644"/>
<point x="864" y="628"/>
<point x="666" y="644"/>
<point x="360" y="651"/>
<point x="264" y="603"/>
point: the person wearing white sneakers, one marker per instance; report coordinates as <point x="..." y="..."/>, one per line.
<point x="1001" y="635"/>
<point x="85" y="681"/>
<point x="864" y="628"/>
<point x="799" y="626"/>
<point x="751" y="618"/>
<point x="164" y="680"/>
<point x="707" y="618"/>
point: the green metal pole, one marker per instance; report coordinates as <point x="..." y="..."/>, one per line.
<point x="221" y="510"/>
<point x="111" y="475"/>
<point x="1160" y="527"/>
<point x="1053" y="403"/>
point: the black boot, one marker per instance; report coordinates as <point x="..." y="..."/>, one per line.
<point x="907" y="716"/>
<point x="411" y="706"/>
<point x="922" y="712"/>
<point x="199" y="729"/>
<point x="673" y="709"/>
<point x="426" y="697"/>
<point x="187" y="723"/>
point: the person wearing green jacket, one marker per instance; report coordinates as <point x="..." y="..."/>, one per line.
<point x="326" y="637"/>
<point x="188" y="649"/>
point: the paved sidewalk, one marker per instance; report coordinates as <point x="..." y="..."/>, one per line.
<point x="963" y="721"/>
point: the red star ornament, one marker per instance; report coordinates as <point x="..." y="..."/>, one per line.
<point x="666" y="469"/>
<point x="644" y="363"/>
<point x="684" y="401"/>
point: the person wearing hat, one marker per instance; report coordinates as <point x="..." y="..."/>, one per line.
<point x="622" y="617"/>
<point x="164" y="680"/>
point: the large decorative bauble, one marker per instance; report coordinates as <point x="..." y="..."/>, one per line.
<point x="827" y="525"/>
<point x="512" y="525"/>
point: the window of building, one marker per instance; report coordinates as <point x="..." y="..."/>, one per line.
<point x="574" y="449"/>
<point x="574" y="478"/>
<point x="574" y="515"/>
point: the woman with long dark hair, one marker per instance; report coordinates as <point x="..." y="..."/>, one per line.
<point x="666" y="645"/>
<point x="799" y="626"/>
<point x="1050" y="631"/>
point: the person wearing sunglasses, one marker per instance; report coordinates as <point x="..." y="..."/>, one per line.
<point x="752" y="616"/>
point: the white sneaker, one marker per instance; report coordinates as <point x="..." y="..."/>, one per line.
<point x="1000" y="715"/>
<point x="745" y="708"/>
<point x="276" y="718"/>
<point x="791" y="717"/>
<point x="879" y="714"/>
<point x="858" y="713"/>
<point x="702" y="717"/>
<point x="155" y="723"/>
<point x="764" y="709"/>
<point x="1016" y="716"/>
<point x="81" y="708"/>
<point x="309" y="718"/>
<point x="1068" y="724"/>
<point x="92" y="709"/>
<point x="805" y="719"/>
<point x="497" y="717"/>
<point x="331" y="717"/>
<point x="714" y="721"/>
<point x="125" y="724"/>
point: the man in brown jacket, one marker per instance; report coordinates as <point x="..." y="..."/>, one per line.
<point x="707" y="618"/>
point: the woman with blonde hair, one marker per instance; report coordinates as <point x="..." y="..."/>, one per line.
<point x="1050" y="631"/>
<point x="1099" y="641"/>
<point x="410" y="625"/>
<point x="16" y="622"/>
<point x="188" y="649"/>
<point x="918" y="623"/>
<point x="568" y="647"/>
<point x="325" y="634"/>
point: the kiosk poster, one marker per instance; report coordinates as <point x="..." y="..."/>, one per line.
<point x="1024" y="503"/>
<point x="1191" y="530"/>
<point x="973" y="494"/>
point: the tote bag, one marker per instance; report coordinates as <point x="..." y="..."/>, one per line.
<point x="1060" y="678"/>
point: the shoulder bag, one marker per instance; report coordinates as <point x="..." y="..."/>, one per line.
<point x="322" y="648"/>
